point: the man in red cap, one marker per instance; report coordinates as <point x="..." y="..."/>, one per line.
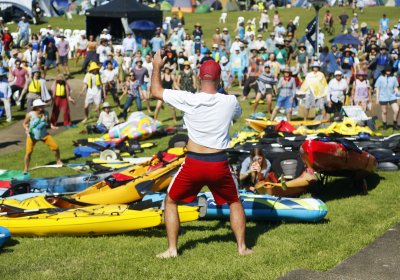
<point x="207" y="116"/>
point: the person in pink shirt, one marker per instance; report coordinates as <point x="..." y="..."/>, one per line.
<point x="20" y="77"/>
<point x="63" y="50"/>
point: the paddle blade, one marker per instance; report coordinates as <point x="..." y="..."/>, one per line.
<point x="144" y="187"/>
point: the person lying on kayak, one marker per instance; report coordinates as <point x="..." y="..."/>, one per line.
<point x="254" y="169"/>
<point x="207" y="116"/>
<point x="35" y="127"/>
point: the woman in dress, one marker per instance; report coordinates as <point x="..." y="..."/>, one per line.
<point x="186" y="79"/>
<point x="168" y="82"/>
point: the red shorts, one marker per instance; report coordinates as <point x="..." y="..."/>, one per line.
<point x="82" y="52"/>
<point x="199" y="170"/>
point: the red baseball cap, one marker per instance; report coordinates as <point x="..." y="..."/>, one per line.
<point x="210" y="70"/>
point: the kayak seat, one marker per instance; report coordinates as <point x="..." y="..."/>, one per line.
<point x="161" y="159"/>
<point x="289" y="165"/>
<point x="118" y="179"/>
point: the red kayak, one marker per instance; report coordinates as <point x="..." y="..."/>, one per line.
<point x="336" y="159"/>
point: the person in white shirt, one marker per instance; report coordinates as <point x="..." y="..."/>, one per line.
<point x="337" y="89"/>
<point x="5" y="93"/>
<point x="103" y="50"/>
<point x="105" y="35"/>
<point x="264" y="21"/>
<point x="129" y="45"/>
<point x="93" y="86"/>
<point x="148" y="64"/>
<point x="207" y="116"/>
<point x="259" y="43"/>
<point x="176" y="40"/>
<point x="107" y="120"/>
<point x="109" y="77"/>
<point x="235" y="45"/>
<point x="30" y="56"/>
<point x="81" y="48"/>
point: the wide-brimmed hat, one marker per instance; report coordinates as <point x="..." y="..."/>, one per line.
<point x="138" y="60"/>
<point x="60" y="77"/>
<point x="105" y="105"/>
<point x="348" y="50"/>
<point x="363" y="24"/>
<point x="215" y="46"/>
<point x="186" y="63"/>
<point x="262" y="49"/>
<point x="287" y="70"/>
<point x="38" y="103"/>
<point x="302" y="45"/>
<point x="35" y="69"/>
<point x="363" y="74"/>
<point x="14" y="52"/>
<point x="224" y="59"/>
<point x="197" y="24"/>
<point x="93" y="66"/>
<point x="315" y="64"/>
<point x="338" y="73"/>
<point x="168" y="66"/>
<point x="294" y="71"/>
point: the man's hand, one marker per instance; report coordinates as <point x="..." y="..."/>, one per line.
<point x="158" y="61"/>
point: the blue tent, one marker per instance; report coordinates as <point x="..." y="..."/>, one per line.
<point x="142" y="25"/>
<point x="345" y="39"/>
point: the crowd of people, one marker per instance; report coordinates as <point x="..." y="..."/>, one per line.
<point x="268" y="57"/>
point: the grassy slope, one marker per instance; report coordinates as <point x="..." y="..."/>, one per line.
<point x="208" y="249"/>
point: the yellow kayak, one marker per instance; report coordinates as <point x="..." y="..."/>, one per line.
<point x="131" y="185"/>
<point x="260" y="125"/>
<point x="91" y="220"/>
<point x="44" y="216"/>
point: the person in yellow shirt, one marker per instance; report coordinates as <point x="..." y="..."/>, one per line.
<point x="315" y="87"/>
<point x="33" y="88"/>
<point x="181" y="17"/>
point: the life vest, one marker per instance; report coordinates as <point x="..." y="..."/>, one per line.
<point x="34" y="86"/>
<point x="98" y="81"/>
<point x="60" y="90"/>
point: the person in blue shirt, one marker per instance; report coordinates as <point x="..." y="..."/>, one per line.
<point x="241" y="31"/>
<point x="23" y="31"/>
<point x="110" y="58"/>
<point x="156" y="43"/>
<point x="387" y="90"/>
<point x="383" y="24"/>
<point x="382" y="60"/>
<point x="203" y="48"/>
<point x="396" y="62"/>
<point x="332" y="60"/>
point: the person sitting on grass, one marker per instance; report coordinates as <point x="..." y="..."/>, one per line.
<point x="35" y="128"/>
<point x="254" y="169"/>
<point x="287" y="91"/>
<point x="92" y="84"/>
<point x="61" y="98"/>
<point x="266" y="83"/>
<point x="106" y="121"/>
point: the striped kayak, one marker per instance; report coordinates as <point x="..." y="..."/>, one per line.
<point x="264" y="207"/>
<point x="89" y="220"/>
<point x="131" y="184"/>
<point x="5" y="234"/>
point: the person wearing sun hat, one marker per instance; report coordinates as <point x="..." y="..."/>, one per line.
<point x="197" y="30"/>
<point x="186" y="80"/>
<point x="61" y="98"/>
<point x="302" y="60"/>
<point x="387" y="90"/>
<point x="107" y="120"/>
<point x="5" y="93"/>
<point x="226" y="73"/>
<point x="315" y="87"/>
<point x="286" y="93"/>
<point x="206" y="161"/>
<point x="265" y="87"/>
<point x="35" y="123"/>
<point x="92" y="86"/>
<point x="347" y="64"/>
<point x="337" y="90"/>
<point x="382" y="60"/>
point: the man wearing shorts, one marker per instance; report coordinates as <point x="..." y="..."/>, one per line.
<point x="208" y="116"/>
<point x="92" y="84"/>
<point x="387" y="89"/>
<point x="51" y="54"/>
<point x="63" y="50"/>
<point x="316" y="88"/>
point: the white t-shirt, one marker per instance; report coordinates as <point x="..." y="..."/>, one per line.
<point x="206" y="116"/>
<point x="103" y="52"/>
<point x="109" y="120"/>
<point x="149" y="67"/>
<point x="94" y="89"/>
<point x="109" y="76"/>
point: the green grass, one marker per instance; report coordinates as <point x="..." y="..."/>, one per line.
<point x="207" y="247"/>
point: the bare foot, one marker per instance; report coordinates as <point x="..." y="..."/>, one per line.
<point x="59" y="162"/>
<point x="84" y="120"/>
<point x="168" y="254"/>
<point x="245" y="252"/>
<point x="53" y="127"/>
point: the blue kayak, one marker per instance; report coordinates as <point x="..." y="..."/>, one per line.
<point x="263" y="207"/>
<point x="62" y="184"/>
<point x="4" y="236"/>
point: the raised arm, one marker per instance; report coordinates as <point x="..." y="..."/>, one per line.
<point x="156" y="84"/>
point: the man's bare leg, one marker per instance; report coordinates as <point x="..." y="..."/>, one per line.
<point x="238" y="225"/>
<point x="172" y="224"/>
